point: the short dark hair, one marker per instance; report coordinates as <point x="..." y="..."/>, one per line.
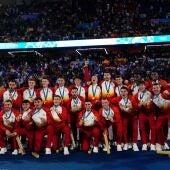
<point x="8" y="101"/>
<point x="77" y="77"/>
<point x="32" y="79"/>
<point x="57" y="96"/>
<point x="38" y="98"/>
<point x="12" y="80"/>
<point x="155" y="84"/>
<point x="45" y="77"/>
<point x="61" y="77"/>
<point x="141" y="82"/>
<point x="118" y="76"/>
<point x="25" y="101"/>
<point x="74" y="88"/>
<point x="104" y="98"/>
<point x="87" y="100"/>
<point x="124" y="87"/>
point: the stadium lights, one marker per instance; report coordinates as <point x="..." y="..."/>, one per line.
<point x="156" y="45"/>
<point x="12" y="53"/>
<point x="86" y="43"/>
<point x="88" y="49"/>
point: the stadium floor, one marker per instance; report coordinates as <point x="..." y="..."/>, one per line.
<point x="77" y="160"/>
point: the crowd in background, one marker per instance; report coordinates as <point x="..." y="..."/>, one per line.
<point x="78" y="19"/>
<point x="21" y="68"/>
<point x="81" y="19"/>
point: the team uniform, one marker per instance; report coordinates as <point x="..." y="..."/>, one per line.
<point x="26" y="127"/>
<point x="146" y="117"/>
<point x="162" y="104"/>
<point x="14" y="96"/>
<point x="94" y="95"/>
<point x="74" y="107"/>
<point x="112" y="113"/>
<point x="108" y="89"/>
<point x="90" y="128"/>
<point x="29" y="94"/>
<point x="63" y="92"/>
<point x="117" y="90"/>
<point x="134" y="88"/>
<point x="8" y="122"/>
<point x="129" y="117"/>
<point x="164" y="86"/>
<point x="46" y="94"/>
<point x="163" y="83"/>
<point x="60" y="121"/>
<point x="41" y="128"/>
<point x="81" y="90"/>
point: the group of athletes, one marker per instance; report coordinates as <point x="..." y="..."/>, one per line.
<point x="58" y="117"/>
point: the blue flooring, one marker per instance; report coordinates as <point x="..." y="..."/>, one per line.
<point x="126" y="160"/>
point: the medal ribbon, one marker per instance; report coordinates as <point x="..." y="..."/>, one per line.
<point x="125" y="101"/>
<point x="133" y="86"/>
<point x="107" y="113"/>
<point x="156" y="96"/>
<point x="107" y="88"/>
<point x="8" y="116"/>
<point x="86" y="116"/>
<point x="61" y="93"/>
<point x="45" y="94"/>
<point x="38" y="110"/>
<point x="94" y="90"/>
<point x="75" y="101"/>
<point x="31" y="95"/>
<point x="79" y="90"/>
<point x="119" y="89"/>
<point x="55" y="107"/>
<point x="12" y="95"/>
<point x="142" y="95"/>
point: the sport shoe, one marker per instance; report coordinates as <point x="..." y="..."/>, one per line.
<point x="119" y="148"/>
<point x="105" y="149"/>
<point x="19" y="151"/>
<point x="48" y="151"/>
<point x="100" y="145"/>
<point x="158" y="147"/>
<point x="3" y="150"/>
<point x="144" y="147"/>
<point x="72" y="147"/>
<point x="66" y="151"/>
<point x="15" y="152"/>
<point x="135" y="147"/>
<point x="129" y="146"/>
<point x="125" y="147"/>
<point x="95" y="149"/>
<point x="152" y="147"/>
<point x="148" y="144"/>
<point x="114" y="143"/>
<point x="166" y="147"/>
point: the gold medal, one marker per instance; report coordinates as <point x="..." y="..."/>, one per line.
<point x="31" y="99"/>
<point x="108" y="95"/>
